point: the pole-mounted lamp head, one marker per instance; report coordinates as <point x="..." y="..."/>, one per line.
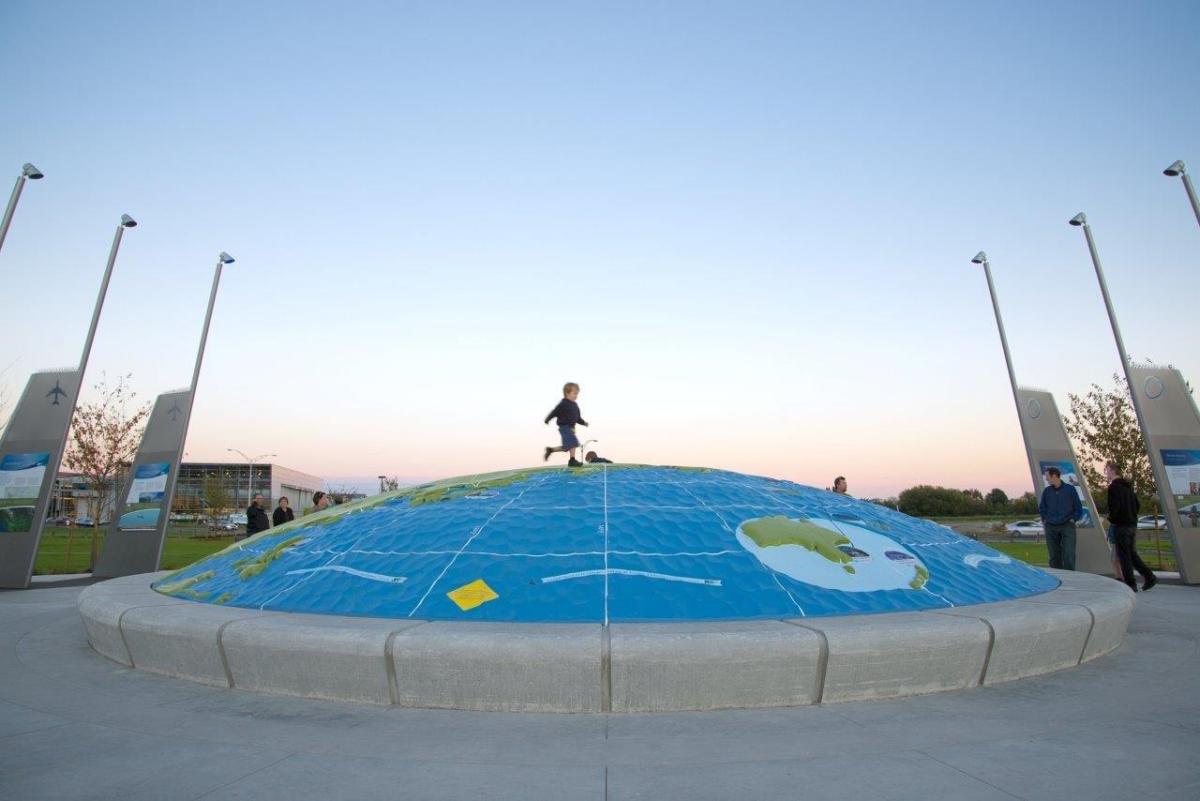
<point x="31" y="172"/>
<point x="225" y="258"/>
<point x="1176" y="168"/>
<point x="1079" y="219"/>
<point x="128" y="222"/>
<point x="980" y="258"/>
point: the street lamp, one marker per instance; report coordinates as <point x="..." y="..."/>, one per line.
<point x="981" y="258"/>
<point x="1177" y="168"/>
<point x="1080" y="221"/>
<point x="28" y="172"/>
<point x="250" y="486"/>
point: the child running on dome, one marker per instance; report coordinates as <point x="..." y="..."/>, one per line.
<point x="567" y="412"/>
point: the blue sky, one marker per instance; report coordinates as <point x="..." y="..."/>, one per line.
<point x="744" y="228"/>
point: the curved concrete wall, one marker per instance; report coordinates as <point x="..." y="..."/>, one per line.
<point x="622" y="668"/>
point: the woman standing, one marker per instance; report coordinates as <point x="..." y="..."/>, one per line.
<point x="283" y="513"/>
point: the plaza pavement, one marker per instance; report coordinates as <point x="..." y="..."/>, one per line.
<point x="74" y="725"/>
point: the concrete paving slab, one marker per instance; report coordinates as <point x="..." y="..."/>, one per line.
<point x="902" y="775"/>
<point x="181" y="639"/>
<point x="315" y="656"/>
<point x="1030" y="640"/>
<point x="333" y="777"/>
<point x="526" y="667"/>
<point x="645" y="755"/>
<point x="1110" y="610"/>
<point x="910" y="653"/>
<point x="697" y="666"/>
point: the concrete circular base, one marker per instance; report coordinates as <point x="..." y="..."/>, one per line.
<point x="645" y="667"/>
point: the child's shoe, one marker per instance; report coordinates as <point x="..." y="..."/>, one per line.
<point x="546" y="455"/>
<point x="574" y="463"/>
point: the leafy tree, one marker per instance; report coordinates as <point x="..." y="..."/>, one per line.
<point x="215" y="491"/>
<point x="1104" y="427"/>
<point x="1027" y="504"/>
<point x="928" y="501"/>
<point x="997" y="499"/>
<point x="103" y="443"/>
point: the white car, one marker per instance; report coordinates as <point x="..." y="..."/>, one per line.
<point x="1025" y="528"/>
<point x="1152" y="521"/>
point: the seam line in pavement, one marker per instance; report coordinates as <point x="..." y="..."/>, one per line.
<point x="972" y="776"/>
<point x="207" y="793"/>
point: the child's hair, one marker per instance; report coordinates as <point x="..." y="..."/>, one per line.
<point x="591" y="456"/>
<point x="1053" y="471"/>
<point x="567" y="387"/>
<point x="1114" y="466"/>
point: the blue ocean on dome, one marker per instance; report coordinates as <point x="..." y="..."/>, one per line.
<point x="618" y="543"/>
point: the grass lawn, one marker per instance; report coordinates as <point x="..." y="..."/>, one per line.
<point x="180" y="550"/>
<point x="1034" y="552"/>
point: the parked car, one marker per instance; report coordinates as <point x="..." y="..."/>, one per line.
<point x="84" y="520"/>
<point x="1152" y="521"/>
<point x="61" y="520"/>
<point x="1025" y="528"/>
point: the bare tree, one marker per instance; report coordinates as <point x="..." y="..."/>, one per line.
<point x="103" y="443"/>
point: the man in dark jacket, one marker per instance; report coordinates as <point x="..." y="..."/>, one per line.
<point x="1060" y="508"/>
<point x="1123" y="507"/>
<point x="256" y="516"/>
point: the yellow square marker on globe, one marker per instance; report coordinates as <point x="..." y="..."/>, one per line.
<point x="469" y="596"/>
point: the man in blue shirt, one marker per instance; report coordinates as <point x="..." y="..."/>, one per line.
<point x="1060" y="508"/>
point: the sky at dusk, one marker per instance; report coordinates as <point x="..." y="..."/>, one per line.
<point x="744" y="228"/>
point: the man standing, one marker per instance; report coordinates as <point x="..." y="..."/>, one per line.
<point x="1123" y="507"/>
<point x="256" y="516"/>
<point x="1060" y="508"/>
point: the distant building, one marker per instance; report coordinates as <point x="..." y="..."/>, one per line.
<point x="73" y="498"/>
<point x="240" y="481"/>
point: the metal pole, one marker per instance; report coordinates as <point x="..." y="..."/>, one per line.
<point x="91" y="334"/>
<point x="1081" y="220"/>
<point x="12" y="206"/>
<point x="187" y="413"/>
<point x="1191" y="192"/>
<point x="27" y="171"/>
<point x="1012" y="376"/>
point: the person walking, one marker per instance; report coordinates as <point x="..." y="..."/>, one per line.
<point x="1123" y="508"/>
<point x="256" y="516"/>
<point x="1060" y="507"/>
<point x="283" y="513"/>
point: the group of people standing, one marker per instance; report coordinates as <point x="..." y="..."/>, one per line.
<point x="1061" y="508"/>
<point x="256" y="514"/>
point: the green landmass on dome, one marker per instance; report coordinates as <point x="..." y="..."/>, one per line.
<point x="251" y="565"/>
<point x="179" y="587"/>
<point x="768" y="532"/>
<point x="919" y="580"/>
<point x="457" y="488"/>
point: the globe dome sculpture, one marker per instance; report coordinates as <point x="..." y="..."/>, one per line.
<point x="610" y="543"/>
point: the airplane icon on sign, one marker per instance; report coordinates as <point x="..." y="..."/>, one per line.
<point x="174" y="411"/>
<point x="56" y="393"/>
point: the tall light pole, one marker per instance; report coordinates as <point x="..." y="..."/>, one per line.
<point x="223" y="259"/>
<point x="30" y="172"/>
<point x="250" y="488"/>
<point x="1175" y="169"/>
<point x="126" y="222"/>
<point x="1080" y="221"/>
<point x="981" y="258"/>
